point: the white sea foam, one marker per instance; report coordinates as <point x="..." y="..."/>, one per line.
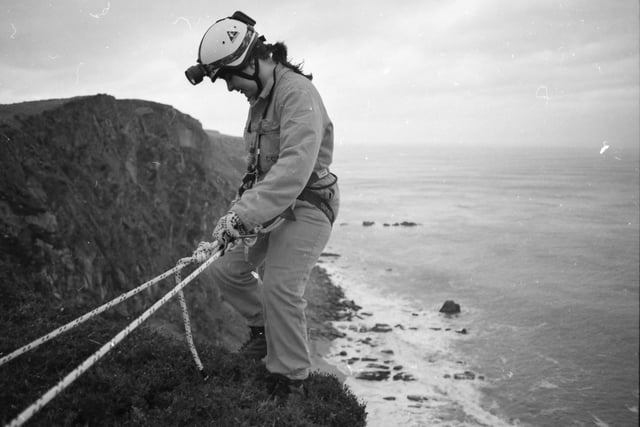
<point x="598" y="422"/>
<point x="421" y="342"/>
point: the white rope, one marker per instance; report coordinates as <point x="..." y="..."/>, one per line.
<point x="72" y="324"/>
<point x="95" y="357"/>
<point x="189" y="335"/>
<point x="187" y="322"/>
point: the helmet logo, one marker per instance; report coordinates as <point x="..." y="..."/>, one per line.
<point x="232" y="35"/>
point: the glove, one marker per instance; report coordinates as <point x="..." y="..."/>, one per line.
<point x="228" y="229"/>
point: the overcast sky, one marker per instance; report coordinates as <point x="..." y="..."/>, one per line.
<point x="425" y="71"/>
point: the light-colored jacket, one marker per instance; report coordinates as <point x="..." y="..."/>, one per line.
<point x="295" y="139"/>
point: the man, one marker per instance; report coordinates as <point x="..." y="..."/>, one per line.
<point x="288" y="196"/>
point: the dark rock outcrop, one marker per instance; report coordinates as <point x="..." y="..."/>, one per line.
<point x="381" y="327"/>
<point x="450" y="307"/>
<point x="373" y="375"/>
<point x="98" y="195"/>
<point x="417" y="398"/>
<point x="466" y="375"/>
<point x="403" y="376"/>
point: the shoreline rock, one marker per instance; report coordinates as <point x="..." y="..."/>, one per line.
<point x="368" y="223"/>
<point x="450" y="307"/>
<point x="327" y="303"/>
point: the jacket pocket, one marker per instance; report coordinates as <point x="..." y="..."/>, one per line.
<point x="269" y="134"/>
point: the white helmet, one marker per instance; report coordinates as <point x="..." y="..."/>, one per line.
<point x="225" y="45"/>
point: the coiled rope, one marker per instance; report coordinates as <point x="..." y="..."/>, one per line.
<point x="204" y="254"/>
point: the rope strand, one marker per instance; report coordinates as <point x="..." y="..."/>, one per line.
<point x="187" y="328"/>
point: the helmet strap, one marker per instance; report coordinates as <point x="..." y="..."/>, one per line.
<point x="255" y="76"/>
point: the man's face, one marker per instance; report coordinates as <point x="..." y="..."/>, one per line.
<point x="248" y="88"/>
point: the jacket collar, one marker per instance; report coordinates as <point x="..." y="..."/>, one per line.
<point x="269" y="84"/>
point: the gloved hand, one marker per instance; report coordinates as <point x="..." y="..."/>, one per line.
<point x="228" y="229"/>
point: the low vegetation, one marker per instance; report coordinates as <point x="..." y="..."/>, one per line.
<point x="149" y="379"/>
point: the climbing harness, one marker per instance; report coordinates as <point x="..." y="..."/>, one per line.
<point x="312" y="194"/>
<point x="205" y="254"/>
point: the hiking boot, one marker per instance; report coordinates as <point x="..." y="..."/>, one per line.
<point x="281" y="388"/>
<point x="255" y="348"/>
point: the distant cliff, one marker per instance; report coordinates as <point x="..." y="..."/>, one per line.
<point x="98" y="195"/>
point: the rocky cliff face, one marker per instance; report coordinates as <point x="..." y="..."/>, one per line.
<point x="98" y="195"/>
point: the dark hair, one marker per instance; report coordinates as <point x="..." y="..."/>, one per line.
<point x="277" y="52"/>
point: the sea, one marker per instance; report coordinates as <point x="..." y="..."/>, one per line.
<point x="540" y="248"/>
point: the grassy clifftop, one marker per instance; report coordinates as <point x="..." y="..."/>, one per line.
<point x="150" y="379"/>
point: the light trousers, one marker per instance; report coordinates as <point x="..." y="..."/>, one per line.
<point x="284" y="259"/>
